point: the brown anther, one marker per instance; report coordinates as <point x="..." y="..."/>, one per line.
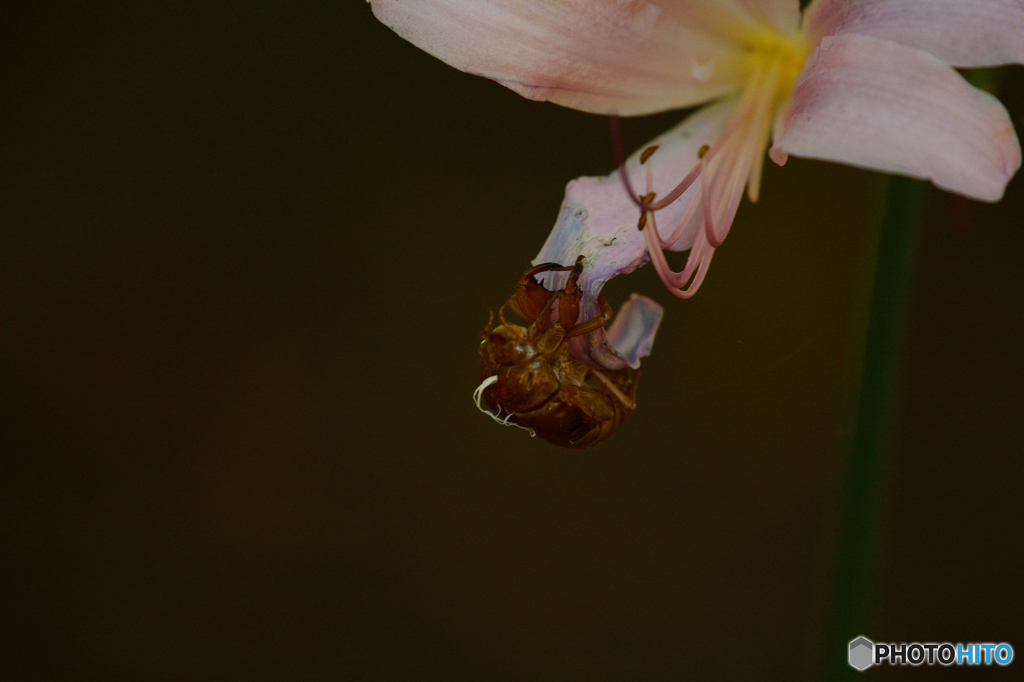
<point x="647" y="198"/>
<point x="704" y="149"/>
<point x="646" y="154"/>
<point x="643" y="221"/>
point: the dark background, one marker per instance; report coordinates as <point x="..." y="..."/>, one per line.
<point x="245" y="252"/>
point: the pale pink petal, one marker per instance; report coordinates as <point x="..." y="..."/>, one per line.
<point x="876" y="104"/>
<point x="964" y="33"/>
<point x="606" y="56"/>
<point x="782" y="14"/>
<point x="735" y="21"/>
<point x="599" y="221"/>
<point x="631" y="333"/>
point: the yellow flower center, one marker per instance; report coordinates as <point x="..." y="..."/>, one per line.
<point x="769" y="64"/>
<point x="774" y="62"/>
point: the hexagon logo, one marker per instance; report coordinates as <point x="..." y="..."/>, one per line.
<point x="862" y="653"/>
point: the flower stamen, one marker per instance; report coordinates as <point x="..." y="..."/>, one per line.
<point x="646" y="154"/>
<point x="731" y="164"/>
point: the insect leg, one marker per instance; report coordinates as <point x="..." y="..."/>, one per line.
<point x="569" y="304"/>
<point x="627" y="401"/>
<point x="594" y="322"/>
<point x="487" y="327"/>
<point x="531" y="296"/>
<point x="541" y="322"/>
<point x="513" y="303"/>
<point x="501" y="314"/>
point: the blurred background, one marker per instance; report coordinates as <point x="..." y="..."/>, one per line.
<point x="245" y="254"/>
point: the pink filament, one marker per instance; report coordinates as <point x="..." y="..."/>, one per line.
<point x="715" y="199"/>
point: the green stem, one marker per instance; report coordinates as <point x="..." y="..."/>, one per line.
<point x="870" y="447"/>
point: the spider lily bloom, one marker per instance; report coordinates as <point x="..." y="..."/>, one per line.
<point x="869" y="83"/>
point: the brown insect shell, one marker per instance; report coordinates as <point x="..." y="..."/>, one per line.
<point x="578" y="417"/>
<point x="522" y="359"/>
<point x="543" y="387"/>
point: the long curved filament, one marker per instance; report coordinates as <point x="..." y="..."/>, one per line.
<point x="728" y="166"/>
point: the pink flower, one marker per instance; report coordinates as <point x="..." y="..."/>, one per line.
<point x="869" y="83"/>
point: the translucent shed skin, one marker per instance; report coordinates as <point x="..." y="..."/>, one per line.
<point x="529" y="373"/>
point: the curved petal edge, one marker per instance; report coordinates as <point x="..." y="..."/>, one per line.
<point x="606" y="56"/>
<point x="964" y="33"/>
<point x="876" y="104"/>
